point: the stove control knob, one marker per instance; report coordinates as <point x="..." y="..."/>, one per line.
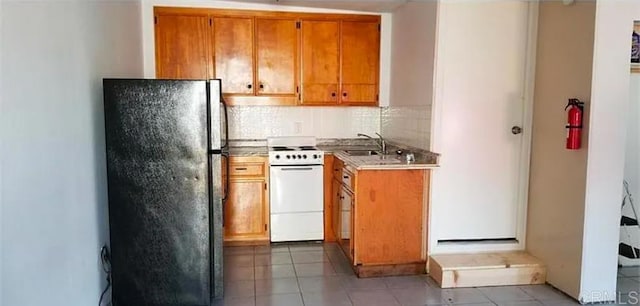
<point x="304" y="156"/>
<point x="299" y="156"/>
<point x="277" y="156"/>
<point x="288" y="156"/>
<point x="293" y="156"/>
<point x="315" y="156"/>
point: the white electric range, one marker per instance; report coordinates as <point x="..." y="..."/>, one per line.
<point x="296" y="193"/>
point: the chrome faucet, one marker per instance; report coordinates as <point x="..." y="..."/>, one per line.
<point x="380" y="142"/>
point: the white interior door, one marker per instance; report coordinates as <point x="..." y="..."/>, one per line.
<point x="480" y="94"/>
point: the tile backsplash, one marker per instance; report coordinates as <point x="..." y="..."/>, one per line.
<point x="259" y="122"/>
<point x="409" y="125"/>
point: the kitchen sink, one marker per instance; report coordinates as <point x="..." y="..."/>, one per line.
<point x="361" y="152"/>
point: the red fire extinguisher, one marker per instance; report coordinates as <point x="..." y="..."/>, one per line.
<point x="574" y="123"/>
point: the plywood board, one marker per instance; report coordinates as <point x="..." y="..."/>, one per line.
<point x="486" y="269"/>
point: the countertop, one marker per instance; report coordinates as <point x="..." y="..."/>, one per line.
<point x="423" y="159"/>
<point x="249" y="151"/>
<point x="388" y="162"/>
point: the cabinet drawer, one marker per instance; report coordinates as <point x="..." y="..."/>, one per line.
<point x="337" y="169"/>
<point x="347" y="179"/>
<point x="247" y="169"/>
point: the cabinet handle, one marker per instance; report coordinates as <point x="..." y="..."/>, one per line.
<point x="333" y="94"/>
<point x="241" y="169"/>
<point x="341" y="198"/>
<point x="344" y="94"/>
<point x="346" y="176"/>
<point x="261" y="86"/>
<point x="249" y="86"/>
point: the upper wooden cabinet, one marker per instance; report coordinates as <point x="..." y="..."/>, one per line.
<point x="182" y="46"/>
<point x="340" y="62"/>
<point x="360" y="62"/>
<point x="320" y="61"/>
<point x="233" y="54"/>
<point x="256" y="57"/>
<point x="277" y="57"/>
<point x="272" y="58"/>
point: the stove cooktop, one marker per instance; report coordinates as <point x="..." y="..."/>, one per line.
<point x="293" y="148"/>
<point x="290" y="151"/>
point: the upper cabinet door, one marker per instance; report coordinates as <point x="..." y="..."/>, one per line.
<point x="233" y="54"/>
<point x="360" y="62"/>
<point x="320" y="61"/>
<point x="277" y="57"/>
<point x="182" y="47"/>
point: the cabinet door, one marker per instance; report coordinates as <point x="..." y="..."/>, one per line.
<point x="277" y="56"/>
<point x="246" y="211"/>
<point x="320" y="61"/>
<point x="233" y="54"/>
<point x="346" y="201"/>
<point x="360" y="62"/>
<point x="182" y="47"/>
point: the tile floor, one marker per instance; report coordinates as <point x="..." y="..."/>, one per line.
<point x="315" y="274"/>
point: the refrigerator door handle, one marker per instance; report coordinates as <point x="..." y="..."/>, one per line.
<point x="225" y="145"/>
<point x="225" y="196"/>
<point x="215" y="116"/>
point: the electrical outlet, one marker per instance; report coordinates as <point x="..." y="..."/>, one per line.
<point x="297" y="128"/>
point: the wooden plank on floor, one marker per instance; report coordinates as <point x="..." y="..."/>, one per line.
<point x="486" y="269"/>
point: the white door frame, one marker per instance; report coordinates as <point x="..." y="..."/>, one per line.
<point x="436" y="127"/>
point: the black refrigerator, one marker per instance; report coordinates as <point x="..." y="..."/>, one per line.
<point x="166" y="150"/>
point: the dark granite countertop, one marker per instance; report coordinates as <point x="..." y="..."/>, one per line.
<point x="422" y="159"/>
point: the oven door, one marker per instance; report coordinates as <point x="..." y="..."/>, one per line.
<point x="296" y="189"/>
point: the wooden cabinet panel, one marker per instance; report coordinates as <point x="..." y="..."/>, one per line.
<point x="359" y="93"/>
<point x="338" y="166"/>
<point x="360" y="61"/>
<point x="394" y="204"/>
<point x="320" y="61"/>
<point x="245" y="216"/>
<point x="233" y="54"/>
<point x="247" y="169"/>
<point x="277" y="56"/>
<point x="329" y="206"/>
<point x="247" y="209"/>
<point x="337" y="213"/>
<point x="182" y="46"/>
<point x="346" y="221"/>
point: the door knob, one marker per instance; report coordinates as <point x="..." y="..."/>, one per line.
<point x="516" y="130"/>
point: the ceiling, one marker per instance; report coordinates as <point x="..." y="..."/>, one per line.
<point x="356" y="5"/>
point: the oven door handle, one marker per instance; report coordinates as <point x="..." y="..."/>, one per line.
<point x="296" y="169"/>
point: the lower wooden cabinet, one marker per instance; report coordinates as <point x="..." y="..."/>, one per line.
<point x="247" y="210"/>
<point x="380" y="219"/>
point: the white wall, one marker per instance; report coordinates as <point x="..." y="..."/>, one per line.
<point x="1" y="154"/>
<point x="557" y="178"/>
<point x="632" y="152"/>
<point x="53" y="192"/>
<point x="316" y="121"/>
<point x="408" y="117"/>
<point x="607" y="131"/>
